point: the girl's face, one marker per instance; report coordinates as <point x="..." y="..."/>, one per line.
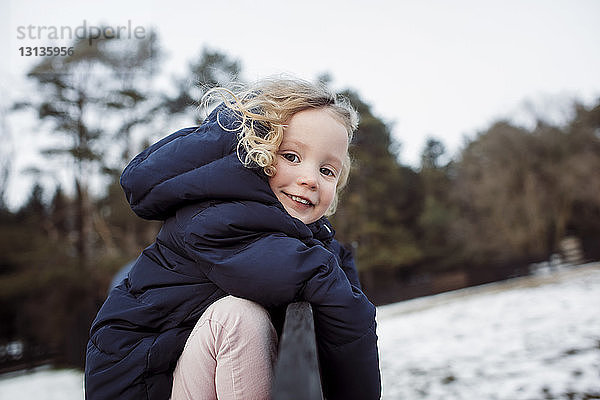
<point x="309" y="163"/>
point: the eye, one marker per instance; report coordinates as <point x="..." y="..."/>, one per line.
<point x="327" y="171"/>
<point x="291" y="157"/>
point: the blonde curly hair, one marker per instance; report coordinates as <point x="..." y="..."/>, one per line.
<point x="266" y="107"/>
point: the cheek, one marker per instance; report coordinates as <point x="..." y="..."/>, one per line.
<point x="328" y="192"/>
<point x="286" y="173"/>
<point x="280" y="178"/>
<point x="274" y="182"/>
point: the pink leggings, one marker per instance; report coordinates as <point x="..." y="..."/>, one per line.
<point x="229" y="355"/>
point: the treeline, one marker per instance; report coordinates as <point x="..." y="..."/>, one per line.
<point x="509" y="197"/>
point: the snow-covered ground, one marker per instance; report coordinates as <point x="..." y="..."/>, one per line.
<point x="42" y="384"/>
<point x="530" y="338"/>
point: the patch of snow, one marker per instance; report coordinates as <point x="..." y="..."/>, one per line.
<point x="518" y="340"/>
<point x="42" y="384"/>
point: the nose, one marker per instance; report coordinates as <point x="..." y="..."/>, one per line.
<point x="308" y="178"/>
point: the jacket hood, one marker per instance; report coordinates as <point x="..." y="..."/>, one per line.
<point x="191" y="165"/>
<point x="199" y="164"/>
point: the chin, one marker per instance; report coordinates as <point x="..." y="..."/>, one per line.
<point x="301" y="218"/>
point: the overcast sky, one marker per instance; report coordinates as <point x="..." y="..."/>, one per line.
<point x="430" y="68"/>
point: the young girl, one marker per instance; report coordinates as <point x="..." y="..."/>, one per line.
<point x="243" y="198"/>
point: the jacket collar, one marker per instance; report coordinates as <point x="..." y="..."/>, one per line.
<point x="322" y="230"/>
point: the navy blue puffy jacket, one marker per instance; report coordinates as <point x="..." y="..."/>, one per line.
<point x="224" y="232"/>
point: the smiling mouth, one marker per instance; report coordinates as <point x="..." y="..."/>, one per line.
<point x="300" y="200"/>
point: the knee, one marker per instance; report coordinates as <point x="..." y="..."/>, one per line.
<point x="241" y="315"/>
